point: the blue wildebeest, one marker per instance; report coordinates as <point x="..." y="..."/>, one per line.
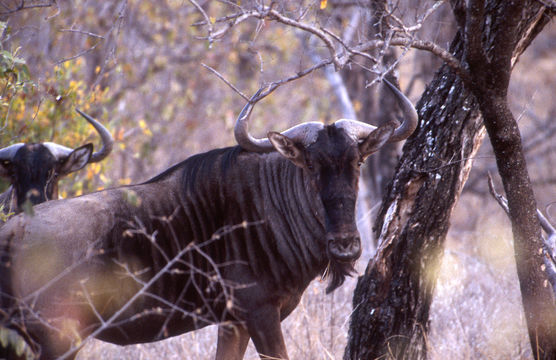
<point x="231" y="236"/>
<point x="35" y="169"/>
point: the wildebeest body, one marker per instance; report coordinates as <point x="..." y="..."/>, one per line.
<point x="273" y="258"/>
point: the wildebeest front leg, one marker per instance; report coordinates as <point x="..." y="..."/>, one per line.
<point x="264" y="328"/>
<point x="232" y="342"/>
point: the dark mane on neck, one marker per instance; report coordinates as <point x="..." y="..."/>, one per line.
<point x="200" y="165"/>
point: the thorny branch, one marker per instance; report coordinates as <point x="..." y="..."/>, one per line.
<point x="23" y="310"/>
<point x="341" y="53"/>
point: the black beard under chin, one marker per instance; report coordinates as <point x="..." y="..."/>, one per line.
<point x="337" y="272"/>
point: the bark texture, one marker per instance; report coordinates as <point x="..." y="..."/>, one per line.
<point x="490" y="74"/>
<point x="392" y="299"/>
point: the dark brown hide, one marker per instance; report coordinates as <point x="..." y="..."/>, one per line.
<point x="229" y="236"/>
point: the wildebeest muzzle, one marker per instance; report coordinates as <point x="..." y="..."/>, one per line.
<point x="344" y="247"/>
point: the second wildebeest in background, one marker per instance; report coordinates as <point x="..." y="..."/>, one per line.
<point x="34" y="170"/>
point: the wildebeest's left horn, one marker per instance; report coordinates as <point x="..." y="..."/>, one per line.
<point x="305" y="133"/>
<point x="7" y="153"/>
<point x="361" y="130"/>
<point x="107" y="139"/>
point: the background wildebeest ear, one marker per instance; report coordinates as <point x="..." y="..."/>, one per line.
<point x="77" y="159"/>
<point x="376" y="139"/>
<point x="287" y="147"/>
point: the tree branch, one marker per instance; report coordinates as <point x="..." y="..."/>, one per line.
<point x="549" y="248"/>
<point x="339" y="57"/>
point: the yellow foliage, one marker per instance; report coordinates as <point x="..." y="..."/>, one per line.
<point x="124" y="181"/>
<point x="145" y="128"/>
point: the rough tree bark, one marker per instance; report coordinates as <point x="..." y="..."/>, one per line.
<point x="490" y="76"/>
<point x="392" y="299"/>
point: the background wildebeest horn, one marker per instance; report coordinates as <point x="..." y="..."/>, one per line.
<point x="8" y="152"/>
<point x="306" y="133"/>
<point x="60" y="151"/>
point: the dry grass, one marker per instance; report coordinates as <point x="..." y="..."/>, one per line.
<point x="476" y="312"/>
<point x="316" y="330"/>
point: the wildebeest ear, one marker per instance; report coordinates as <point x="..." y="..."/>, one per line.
<point x="287" y="148"/>
<point x="77" y="159"/>
<point x="376" y="139"/>
<point x="5" y="168"/>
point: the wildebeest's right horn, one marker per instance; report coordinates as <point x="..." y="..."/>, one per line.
<point x="107" y="139"/>
<point x="305" y="133"/>
<point x="8" y="152"/>
<point x="360" y="130"/>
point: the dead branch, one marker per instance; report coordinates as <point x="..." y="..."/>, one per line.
<point x="11" y="7"/>
<point x="340" y="54"/>
<point x="23" y="312"/>
<point x="225" y="81"/>
<point x="549" y="242"/>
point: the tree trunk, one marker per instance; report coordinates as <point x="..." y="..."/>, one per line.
<point x="490" y="80"/>
<point x="392" y="299"/>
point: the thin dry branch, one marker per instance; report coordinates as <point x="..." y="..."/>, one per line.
<point x="23" y="311"/>
<point x="225" y="81"/>
<point x="101" y="38"/>
<point x="340" y="52"/>
<point x="549" y="244"/>
<point x="23" y="5"/>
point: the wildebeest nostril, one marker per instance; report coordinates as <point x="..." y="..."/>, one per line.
<point x="345" y="247"/>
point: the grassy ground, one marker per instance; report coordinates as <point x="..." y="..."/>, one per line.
<point x="476" y="312"/>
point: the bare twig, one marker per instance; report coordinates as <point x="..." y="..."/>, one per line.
<point x="23" y="6"/>
<point x="178" y="263"/>
<point x="345" y="54"/>
<point x="101" y="38"/>
<point x="88" y="33"/>
<point x="245" y="97"/>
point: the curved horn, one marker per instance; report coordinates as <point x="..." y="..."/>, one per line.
<point x="59" y="151"/>
<point x="305" y="133"/>
<point x="357" y="130"/>
<point x="410" y="116"/>
<point x="107" y="139"/>
<point x="360" y="130"/>
<point x="8" y="152"/>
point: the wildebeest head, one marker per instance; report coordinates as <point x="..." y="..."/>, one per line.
<point x="35" y="169"/>
<point x="331" y="155"/>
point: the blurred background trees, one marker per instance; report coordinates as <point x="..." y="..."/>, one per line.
<point x="137" y="66"/>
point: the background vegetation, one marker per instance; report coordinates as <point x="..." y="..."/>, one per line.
<point x="137" y="66"/>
